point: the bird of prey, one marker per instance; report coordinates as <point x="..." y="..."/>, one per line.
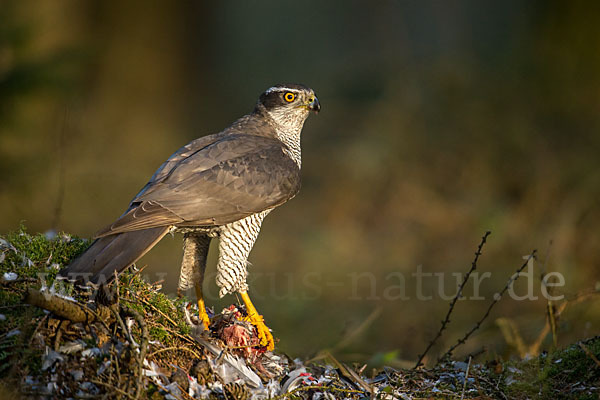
<point x="218" y="186"/>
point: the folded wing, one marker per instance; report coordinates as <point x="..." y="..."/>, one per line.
<point x="213" y="181"/>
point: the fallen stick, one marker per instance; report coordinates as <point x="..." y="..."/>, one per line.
<point x="64" y="308"/>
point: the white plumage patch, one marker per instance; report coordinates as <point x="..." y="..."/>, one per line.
<point x="288" y="126"/>
<point x="281" y="89"/>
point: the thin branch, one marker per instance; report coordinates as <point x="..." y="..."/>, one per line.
<point x="550" y="305"/>
<point x="589" y="353"/>
<point x="316" y="387"/>
<point x="579" y="297"/>
<point x="446" y="320"/>
<point x="174" y="349"/>
<point x="185" y="338"/>
<point x="157" y="310"/>
<point x="109" y="386"/>
<point x="351" y="375"/>
<point x="142" y="346"/>
<point x="496" y="299"/>
<point x="143" y="349"/>
<point x="462" y="395"/>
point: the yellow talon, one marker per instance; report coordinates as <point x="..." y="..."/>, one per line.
<point x="264" y="333"/>
<point x="202" y="315"/>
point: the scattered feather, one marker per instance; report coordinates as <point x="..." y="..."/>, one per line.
<point x="50" y="358"/>
<point x="93" y="352"/>
<point x="50" y="234"/>
<point x="12" y="333"/>
<point x="77" y="374"/>
<point x="72" y="347"/>
<point x="5" y="245"/>
<point x="26" y="262"/>
<point x="55" y="266"/>
<point x="10" y="276"/>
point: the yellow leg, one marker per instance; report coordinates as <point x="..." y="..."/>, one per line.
<point x="264" y="333"/>
<point x="202" y="315"/>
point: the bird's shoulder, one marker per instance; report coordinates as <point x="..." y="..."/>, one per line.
<point x="235" y="157"/>
<point x="248" y="137"/>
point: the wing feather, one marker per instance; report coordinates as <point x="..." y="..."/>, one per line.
<point x="223" y="180"/>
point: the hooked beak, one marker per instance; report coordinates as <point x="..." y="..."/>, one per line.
<point x="314" y="105"/>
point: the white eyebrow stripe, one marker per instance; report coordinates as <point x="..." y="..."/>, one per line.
<point x="281" y="88"/>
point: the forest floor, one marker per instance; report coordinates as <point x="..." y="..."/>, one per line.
<point x="134" y="342"/>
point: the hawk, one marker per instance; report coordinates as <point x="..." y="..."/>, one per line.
<point x="218" y="186"/>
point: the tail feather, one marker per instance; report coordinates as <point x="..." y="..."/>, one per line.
<point x="112" y="253"/>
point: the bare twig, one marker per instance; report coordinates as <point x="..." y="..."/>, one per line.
<point x="158" y="311"/>
<point x="558" y="310"/>
<point x="546" y="258"/>
<point x="446" y="320"/>
<point x="477" y="353"/>
<point x="170" y="392"/>
<point x="589" y="353"/>
<point x="37" y="328"/>
<point x="551" y="312"/>
<point x="118" y="294"/>
<point x="135" y="271"/>
<point x="316" y="387"/>
<point x="462" y="395"/>
<point x="16" y="281"/>
<point x="185" y="338"/>
<point x="552" y="319"/>
<point x="109" y="386"/>
<point x="175" y="349"/>
<point x="63" y="308"/>
<point x="142" y="346"/>
<point x="496" y="299"/>
<point x="351" y="375"/>
<point x="143" y="349"/>
<point x="14" y="306"/>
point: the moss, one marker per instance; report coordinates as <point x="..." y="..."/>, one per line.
<point x="30" y="255"/>
<point x="556" y="375"/>
<point x="38" y="256"/>
<point x="17" y="352"/>
<point x="159" y="333"/>
<point x="144" y="299"/>
<point x="574" y="365"/>
<point x="7" y="350"/>
<point x="6" y="298"/>
<point x="35" y="257"/>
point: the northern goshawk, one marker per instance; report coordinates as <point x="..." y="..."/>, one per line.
<point x="222" y="186"/>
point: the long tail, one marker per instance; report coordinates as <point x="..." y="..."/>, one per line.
<point x="112" y="253"/>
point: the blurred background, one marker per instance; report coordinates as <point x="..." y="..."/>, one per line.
<point x="440" y="120"/>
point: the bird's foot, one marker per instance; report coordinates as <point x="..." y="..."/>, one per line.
<point x="198" y="323"/>
<point x="264" y="333"/>
<point x="203" y="315"/>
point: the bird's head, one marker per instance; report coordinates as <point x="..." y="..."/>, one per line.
<point x="289" y="104"/>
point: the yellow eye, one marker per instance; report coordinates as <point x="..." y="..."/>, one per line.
<point x="289" y="97"/>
